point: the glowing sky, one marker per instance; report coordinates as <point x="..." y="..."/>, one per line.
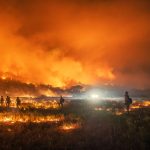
<point x="67" y="42"/>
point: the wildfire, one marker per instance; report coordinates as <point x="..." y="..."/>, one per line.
<point x="140" y="104"/>
<point x="118" y="112"/>
<point x="70" y="126"/>
<point x="46" y="105"/>
<point x="53" y="104"/>
<point x="24" y="118"/>
<point x="3" y="77"/>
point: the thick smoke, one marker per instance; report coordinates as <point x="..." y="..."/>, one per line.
<point x="64" y="43"/>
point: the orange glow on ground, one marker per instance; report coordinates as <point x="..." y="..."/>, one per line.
<point x="12" y="118"/>
<point x="118" y="112"/>
<point x="70" y="126"/>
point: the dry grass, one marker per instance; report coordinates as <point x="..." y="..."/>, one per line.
<point x="78" y="126"/>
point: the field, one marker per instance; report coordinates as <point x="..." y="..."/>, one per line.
<point x="79" y="125"/>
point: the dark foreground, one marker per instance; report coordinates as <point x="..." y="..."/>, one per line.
<point x="93" y="130"/>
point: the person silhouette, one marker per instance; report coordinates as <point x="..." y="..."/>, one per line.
<point x="61" y="102"/>
<point x="128" y="101"/>
<point x="18" y="102"/>
<point x="8" y="101"/>
<point x="2" y="101"/>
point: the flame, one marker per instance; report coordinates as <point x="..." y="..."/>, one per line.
<point x="140" y="104"/>
<point x="70" y="126"/>
<point x="24" y="118"/>
<point x="42" y="104"/>
<point x="118" y="112"/>
<point x="3" y="77"/>
<point x="46" y="105"/>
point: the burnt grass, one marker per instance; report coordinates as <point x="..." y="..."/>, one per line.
<point x="100" y="130"/>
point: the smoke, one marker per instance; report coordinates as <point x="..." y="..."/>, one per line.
<point x="64" y="43"/>
<point x="18" y="88"/>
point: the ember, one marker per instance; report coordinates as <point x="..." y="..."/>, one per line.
<point x="70" y="126"/>
<point x="118" y="113"/>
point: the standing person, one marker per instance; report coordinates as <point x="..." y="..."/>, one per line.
<point x="8" y="101"/>
<point x="2" y="101"/>
<point x="61" y="102"/>
<point x="128" y="101"/>
<point x="18" y="102"/>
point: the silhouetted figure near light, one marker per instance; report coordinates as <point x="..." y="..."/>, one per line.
<point x="2" y="101"/>
<point x="61" y="102"/>
<point x="128" y="101"/>
<point x="18" y="102"/>
<point x="8" y="101"/>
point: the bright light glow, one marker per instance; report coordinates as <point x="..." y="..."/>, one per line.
<point x="3" y="78"/>
<point x="94" y="96"/>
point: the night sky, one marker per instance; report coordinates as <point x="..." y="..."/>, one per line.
<point x="70" y="42"/>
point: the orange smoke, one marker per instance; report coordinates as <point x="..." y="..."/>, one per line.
<point x="63" y="43"/>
